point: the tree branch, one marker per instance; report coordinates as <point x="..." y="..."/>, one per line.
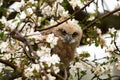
<point x="16" y="35"/>
<point x="115" y="43"/>
<point x="6" y="62"/>
<point x="8" y="74"/>
<point x="11" y="75"/>
<point x="101" y="17"/>
<point x="67" y="18"/>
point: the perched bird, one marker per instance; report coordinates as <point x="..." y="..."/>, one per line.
<point x="69" y="35"/>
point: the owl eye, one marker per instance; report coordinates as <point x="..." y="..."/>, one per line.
<point x="74" y="34"/>
<point x="62" y="31"/>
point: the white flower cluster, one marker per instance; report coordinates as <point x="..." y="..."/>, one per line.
<point x="54" y="9"/>
<point x="14" y="49"/>
<point x="46" y="61"/>
<point x="45" y="58"/>
<point x="118" y="65"/>
<point x="76" y="3"/>
<point x="11" y="49"/>
<point x="112" y="30"/>
<point x="113" y="35"/>
<point x="100" y="70"/>
<point x="76" y="68"/>
<point x="52" y="40"/>
<point x="3" y="46"/>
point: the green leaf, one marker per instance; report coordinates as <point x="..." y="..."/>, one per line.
<point x="34" y="71"/>
<point x="3" y="11"/>
<point x="83" y="73"/>
<point x="1" y="26"/>
<point x="82" y="1"/>
<point x="67" y="5"/>
<point x="85" y="54"/>
<point x="96" y="43"/>
<point x="70" y="77"/>
<point x="44" y="21"/>
<point x="2" y="36"/>
<point x="109" y="77"/>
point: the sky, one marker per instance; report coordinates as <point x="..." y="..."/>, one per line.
<point x="108" y="4"/>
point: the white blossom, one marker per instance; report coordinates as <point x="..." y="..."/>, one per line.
<point x="39" y="21"/>
<point x="102" y="69"/>
<point x="29" y="11"/>
<point x="43" y="51"/>
<point x="52" y="40"/>
<point x="56" y="9"/>
<point x="99" y="31"/>
<point x="1" y="67"/>
<point x="51" y="77"/>
<point x="12" y="24"/>
<point x="32" y="34"/>
<point x="3" y="46"/>
<point x="3" y="20"/>
<point x="20" y="78"/>
<point x="16" y="6"/>
<point x="21" y="16"/>
<point x="60" y="10"/>
<point x="73" y="21"/>
<point x="118" y="65"/>
<point x="88" y="39"/>
<point x="47" y="11"/>
<point x="1" y="3"/>
<point x="76" y="68"/>
<point x="76" y="3"/>
<point x="59" y="1"/>
<point x="112" y="30"/>
<point x="64" y="15"/>
<point x="78" y="65"/>
<point x="49" y="60"/>
<point x="110" y="48"/>
<point x="55" y="59"/>
<point x="91" y="18"/>
<point x="56" y="69"/>
<point x="33" y="1"/>
<point x="29" y="70"/>
<point x="52" y="22"/>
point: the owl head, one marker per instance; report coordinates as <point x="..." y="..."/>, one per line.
<point x="69" y="33"/>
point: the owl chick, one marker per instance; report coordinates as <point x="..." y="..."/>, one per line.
<point x="69" y="35"/>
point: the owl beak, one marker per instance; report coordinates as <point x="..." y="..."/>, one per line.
<point x="67" y="38"/>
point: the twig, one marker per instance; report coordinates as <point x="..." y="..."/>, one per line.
<point x="16" y="35"/>
<point x="115" y="43"/>
<point x="87" y="63"/>
<point x="8" y="75"/>
<point x="6" y="62"/>
<point x="11" y="75"/>
<point x="59" y="76"/>
<point x="44" y="72"/>
<point x="99" y="59"/>
<point x="96" y="76"/>
<point x="101" y="17"/>
<point x="115" y="76"/>
<point x="65" y="74"/>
